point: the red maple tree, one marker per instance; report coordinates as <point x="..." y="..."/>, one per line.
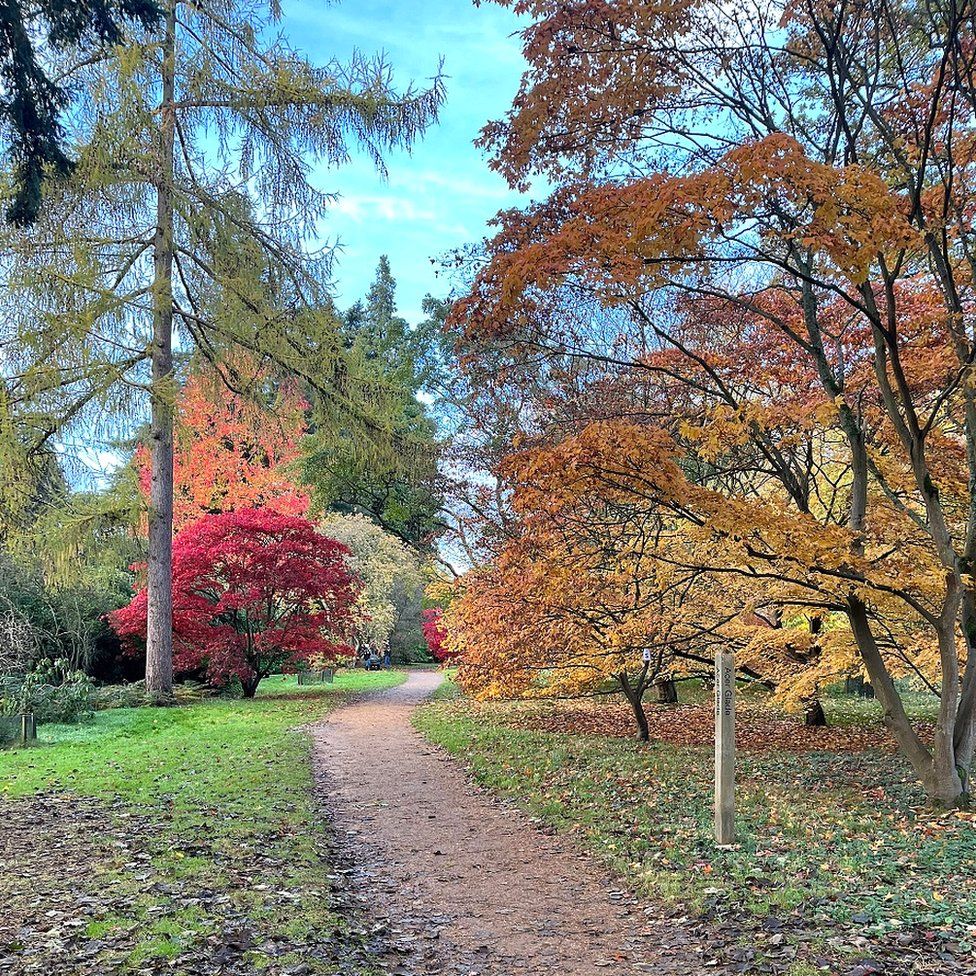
<point x="435" y="633"/>
<point x="254" y="593"/>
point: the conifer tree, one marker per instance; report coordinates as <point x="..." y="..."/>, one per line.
<point x="187" y="224"/>
<point x="32" y="100"/>
<point x="397" y="488"/>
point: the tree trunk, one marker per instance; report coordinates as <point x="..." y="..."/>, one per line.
<point x="667" y="691"/>
<point x="948" y="788"/>
<point x="643" y="732"/>
<point x="159" y="632"/>
<point x="635" y="696"/>
<point x="250" y="686"/>
<point x="935" y="769"/>
<point x="815" y="715"/>
<point x="945" y="787"/>
<point x="965" y="739"/>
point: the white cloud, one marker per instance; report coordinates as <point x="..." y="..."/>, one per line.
<point x="362" y="208"/>
<point x="490" y="187"/>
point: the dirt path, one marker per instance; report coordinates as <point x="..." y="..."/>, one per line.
<point x="462" y="883"/>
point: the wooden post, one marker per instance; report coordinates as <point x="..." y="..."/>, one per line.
<point x="724" y="747"/>
<point x="28" y="727"/>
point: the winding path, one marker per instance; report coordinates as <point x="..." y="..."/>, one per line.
<point x="461" y="883"/>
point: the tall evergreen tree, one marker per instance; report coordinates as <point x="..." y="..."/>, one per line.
<point x="189" y="214"/>
<point x="31" y="100"/>
<point x="397" y="488"/>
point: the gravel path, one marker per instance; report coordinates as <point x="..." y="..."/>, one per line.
<point x="460" y="883"/>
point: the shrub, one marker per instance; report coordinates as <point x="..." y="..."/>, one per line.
<point x="52" y="691"/>
<point x="40" y="622"/>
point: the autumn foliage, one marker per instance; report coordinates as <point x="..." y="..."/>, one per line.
<point x="740" y="336"/>
<point x="435" y="634"/>
<point x="232" y="450"/>
<point x="254" y="592"/>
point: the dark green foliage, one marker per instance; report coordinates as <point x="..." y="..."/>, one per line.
<point x="61" y="622"/>
<point x="390" y="361"/>
<point x="32" y="101"/>
<point x="52" y="692"/>
<point x="407" y="644"/>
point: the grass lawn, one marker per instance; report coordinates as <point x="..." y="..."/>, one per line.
<point x="837" y="858"/>
<point x="212" y="846"/>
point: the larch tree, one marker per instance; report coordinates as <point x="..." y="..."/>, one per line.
<point x="799" y="178"/>
<point x="187" y="222"/>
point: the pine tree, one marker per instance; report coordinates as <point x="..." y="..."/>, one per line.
<point x="32" y="100"/>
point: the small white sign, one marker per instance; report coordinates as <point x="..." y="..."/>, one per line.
<point x="647" y="654"/>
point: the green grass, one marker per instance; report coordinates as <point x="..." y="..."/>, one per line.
<point x="850" y="710"/>
<point x="825" y="839"/>
<point x="227" y="787"/>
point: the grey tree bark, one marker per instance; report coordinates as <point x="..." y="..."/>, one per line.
<point x="159" y="634"/>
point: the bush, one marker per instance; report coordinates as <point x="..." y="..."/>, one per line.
<point x="416" y="653"/>
<point x="52" y="691"/>
<point x="129" y="695"/>
<point x="43" y="622"/>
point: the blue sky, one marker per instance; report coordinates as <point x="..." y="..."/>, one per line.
<point x="442" y="194"/>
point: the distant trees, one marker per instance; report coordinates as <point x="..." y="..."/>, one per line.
<point x="255" y="593"/>
<point x="395" y="482"/>
<point x="391" y="574"/>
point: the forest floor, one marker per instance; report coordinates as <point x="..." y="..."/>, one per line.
<point x="290" y="836"/>
<point x="839" y="866"/>
<point x="181" y="840"/>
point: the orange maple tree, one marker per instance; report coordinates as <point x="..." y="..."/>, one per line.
<point x="758" y="262"/>
<point x="563" y="612"/>
<point x="234" y="450"/>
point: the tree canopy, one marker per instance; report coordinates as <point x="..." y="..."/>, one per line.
<point x="34" y="97"/>
<point x="255" y="592"/>
<point x="397" y="484"/>
<point x="745" y="312"/>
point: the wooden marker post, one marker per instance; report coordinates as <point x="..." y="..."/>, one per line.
<point x="724" y="747"/>
<point x="28" y="727"/>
